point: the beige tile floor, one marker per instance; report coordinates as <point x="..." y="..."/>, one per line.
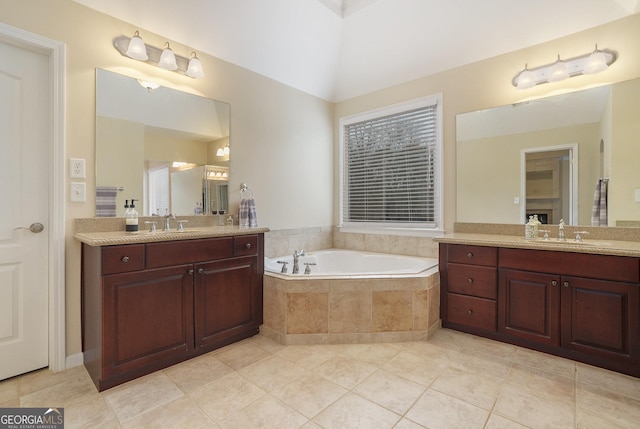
<point x="453" y="381"/>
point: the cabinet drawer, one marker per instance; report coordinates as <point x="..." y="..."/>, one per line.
<point x="122" y="259"/>
<point x="473" y="280"/>
<point x="474" y="255"/>
<point x="604" y="267"/>
<point x="245" y="245"/>
<point x="473" y="312"/>
<point x="188" y="251"/>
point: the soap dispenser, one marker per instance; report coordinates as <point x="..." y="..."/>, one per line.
<point x="125" y="212"/>
<point x="132" y="218"/>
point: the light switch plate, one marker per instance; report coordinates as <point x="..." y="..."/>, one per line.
<point x="76" y="168"/>
<point x="77" y="192"/>
<point x="637" y="195"/>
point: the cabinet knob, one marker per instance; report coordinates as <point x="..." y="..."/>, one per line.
<point x="554" y="283"/>
<point x="200" y="270"/>
<point x="469" y="312"/>
<point x="190" y="272"/>
<point x="125" y="259"/>
<point x="469" y="280"/>
<point x="247" y="246"/>
<point x="565" y="284"/>
<point x="469" y="255"/>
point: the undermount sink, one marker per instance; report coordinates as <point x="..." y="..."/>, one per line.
<point x="569" y="242"/>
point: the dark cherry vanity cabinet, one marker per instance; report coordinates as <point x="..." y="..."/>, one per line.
<point x="576" y="305"/>
<point x="148" y="306"/>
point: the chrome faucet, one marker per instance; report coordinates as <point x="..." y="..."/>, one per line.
<point x="167" y="217"/>
<point x="561" y="231"/>
<point x="296" y="255"/>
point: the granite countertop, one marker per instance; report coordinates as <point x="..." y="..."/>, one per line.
<point x="108" y="238"/>
<point x="601" y="247"/>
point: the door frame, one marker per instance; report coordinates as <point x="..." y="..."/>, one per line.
<point x="56" y="232"/>
<point x="573" y="178"/>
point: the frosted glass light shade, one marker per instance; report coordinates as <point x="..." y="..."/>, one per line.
<point x="168" y="59"/>
<point x="195" y="68"/>
<point x="558" y="71"/>
<point x="136" y="49"/>
<point x="596" y="63"/>
<point x="526" y="79"/>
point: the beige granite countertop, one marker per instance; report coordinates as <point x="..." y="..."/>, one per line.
<point x="108" y="238"/>
<point x="602" y="247"/>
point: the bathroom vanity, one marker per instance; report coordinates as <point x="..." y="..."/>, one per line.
<point x="578" y="301"/>
<point x="152" y="300"/>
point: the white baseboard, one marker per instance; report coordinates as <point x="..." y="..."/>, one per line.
<point x="74" y="360"/>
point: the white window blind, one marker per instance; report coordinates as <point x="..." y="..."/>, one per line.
<point x="390" y="171"/>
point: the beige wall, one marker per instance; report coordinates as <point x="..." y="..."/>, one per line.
<point x="487" y="84"/>
<point x="281" y="138"/>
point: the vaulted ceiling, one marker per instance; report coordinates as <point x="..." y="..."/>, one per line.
<point x="338" y="49"/>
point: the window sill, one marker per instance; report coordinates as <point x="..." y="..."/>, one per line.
<point x="412" y="232"/>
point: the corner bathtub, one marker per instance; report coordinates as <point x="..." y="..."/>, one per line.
<point x="351" y="297"/>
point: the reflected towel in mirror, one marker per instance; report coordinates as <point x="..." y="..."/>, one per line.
<point x="599" y="212"/>
<point x="106" y="201"/>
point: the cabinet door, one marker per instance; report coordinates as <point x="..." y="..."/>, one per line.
<point x="601" y="318"/>
<point x="228" y="300"/>
<point x="529" y="306"/>
<point x="147" y="319"/>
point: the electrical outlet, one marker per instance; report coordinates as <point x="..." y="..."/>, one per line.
<point x="76" y="168"/>
<point x="77" y="192"/>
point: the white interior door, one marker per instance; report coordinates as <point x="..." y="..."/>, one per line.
<point x="25" y="92"/>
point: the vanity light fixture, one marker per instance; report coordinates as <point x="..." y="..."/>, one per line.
<point x="149" y="86"/>
<point x="223" y="151"/>
<point x="164" y="57"/>
<point x="594" y="62"/>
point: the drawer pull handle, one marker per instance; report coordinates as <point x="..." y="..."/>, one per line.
<point x="247" y="246"/>
<point x="554" y="283"/>
<point x="469" y="255"/>
<point x="565" y="284"/>
<point x="200" y="270"/>
<point x="469" y="312"/>
<point x="190" y="272"/>
<point x="469" y="280"/>
<point x="125" y="259"/>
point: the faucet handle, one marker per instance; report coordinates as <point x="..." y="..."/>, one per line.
<point x="284" y="266"/>
<point x="579" y="235"/>
<point x="546" y="233"/>
<point x="180" y="224"/>
<point x="152" y="228"/>
<point x="307" y="269"/>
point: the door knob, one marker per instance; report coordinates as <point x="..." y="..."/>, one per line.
<point x="34" y="227"/>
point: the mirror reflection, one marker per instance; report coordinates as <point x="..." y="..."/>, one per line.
<point x="165" y="148"/>
<point x="553" y="157"/>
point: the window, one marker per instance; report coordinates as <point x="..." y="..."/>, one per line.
<point x="391" y="167"/>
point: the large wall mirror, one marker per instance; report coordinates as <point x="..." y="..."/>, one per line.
<point x="166" y="148"/>
<point x="548" y="156"/>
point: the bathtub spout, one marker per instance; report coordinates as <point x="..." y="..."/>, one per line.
<point x="296" y="255"/>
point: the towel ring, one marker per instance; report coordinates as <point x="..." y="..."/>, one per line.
<point x="245" y="188"/>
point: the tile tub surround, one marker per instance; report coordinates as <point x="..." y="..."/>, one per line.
<point x="328" y="311"/>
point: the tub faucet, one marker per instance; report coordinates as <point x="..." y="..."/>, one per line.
<point x="296" y="255"/>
